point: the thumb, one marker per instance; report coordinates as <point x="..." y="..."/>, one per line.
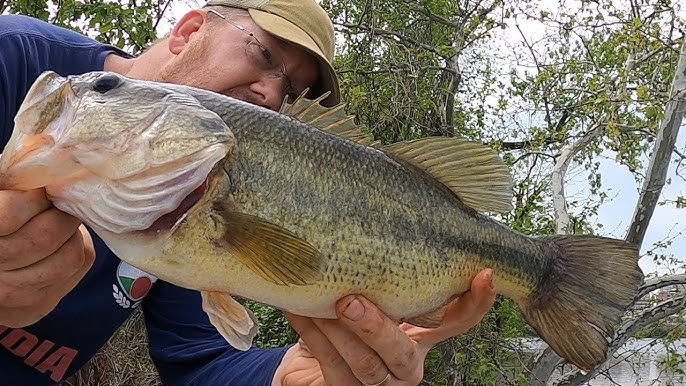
<point x="464" y="312"/>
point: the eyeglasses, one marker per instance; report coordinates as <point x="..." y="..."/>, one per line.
<point x="262" y="58"/>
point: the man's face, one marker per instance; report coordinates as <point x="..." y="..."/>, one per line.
<point x="213" y="57"/>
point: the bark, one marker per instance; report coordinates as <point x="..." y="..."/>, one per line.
<point x="659" y="161"/>
<point x="453" y="373"/>
<point x="559" y="171"/>
<point x="544" y="366"/>
<point x="656" y="283"/>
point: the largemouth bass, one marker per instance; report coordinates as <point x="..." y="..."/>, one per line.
<point x="299" y="209"/>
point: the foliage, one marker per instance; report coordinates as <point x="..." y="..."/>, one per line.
<point x="125" y="24"/>
<point x="274" y="328"/>
<point x="527" y="78"/>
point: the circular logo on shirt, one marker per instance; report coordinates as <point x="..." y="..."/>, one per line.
<point x="134" y="282"/>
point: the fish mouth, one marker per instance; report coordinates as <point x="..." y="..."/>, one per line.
<point x="170" y="220"/>
<point x="141" y="174"/>
<point x="197" y="198"/>
<point x="43" y="104"/>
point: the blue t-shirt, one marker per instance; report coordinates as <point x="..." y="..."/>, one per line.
<point x="185" y="347"/>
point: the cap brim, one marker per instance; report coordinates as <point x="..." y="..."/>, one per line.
<point x="287" y="31"/>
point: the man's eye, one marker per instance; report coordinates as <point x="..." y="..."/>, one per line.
<point x="266" y="54"/>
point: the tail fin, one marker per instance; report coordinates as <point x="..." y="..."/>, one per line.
<point x="579" y="308"/>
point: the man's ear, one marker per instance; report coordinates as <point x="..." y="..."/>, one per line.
<point x="180" y="36"/>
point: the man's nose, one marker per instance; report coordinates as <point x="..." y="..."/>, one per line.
<point x="270" y="91"/>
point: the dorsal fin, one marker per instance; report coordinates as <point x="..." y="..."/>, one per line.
<point x="474" y="172"/>
<point x="332" y="120"/>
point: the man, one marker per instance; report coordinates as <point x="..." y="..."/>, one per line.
<point x="63" y="293"/>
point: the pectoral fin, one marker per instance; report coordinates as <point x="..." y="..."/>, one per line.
<point x="270" y="251"/>
<point x="233" y="321"/>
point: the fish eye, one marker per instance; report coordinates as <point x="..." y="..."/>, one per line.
<point x="106" y="83"/>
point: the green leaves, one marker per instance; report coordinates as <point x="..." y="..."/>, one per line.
<point x="527" y="79"/>
<point x="532" y="90"/>
<point x="127" y="25"/>
<point x="401" y="64"/>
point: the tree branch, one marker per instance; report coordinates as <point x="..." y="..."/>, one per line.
<point x="653" y="284"/>
<point x="160" y="15"/>
<point x="539" y="68"/>
<point x="659" y="161"/>
<point x="548" y="360"/>
<point x="424" y="10"/>
<point x="401" y="38"/>
<point x="628" y="329"/>
<point x="559" y="171"/>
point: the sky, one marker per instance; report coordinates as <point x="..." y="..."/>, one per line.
<point x="668" y="222"/>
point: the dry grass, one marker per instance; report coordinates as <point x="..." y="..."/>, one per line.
<point x="123" y="361"/>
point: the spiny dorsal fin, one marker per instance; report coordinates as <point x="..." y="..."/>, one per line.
<point x="474" y="172"/>
<point x="332" y="120"/>
<point x="270" y="251"/>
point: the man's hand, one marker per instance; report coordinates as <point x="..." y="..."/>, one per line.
<point x="44" y="253"/>
<point x="364" y="347"/>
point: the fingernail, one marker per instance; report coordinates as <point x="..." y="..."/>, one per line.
<point x="354" y="310"/>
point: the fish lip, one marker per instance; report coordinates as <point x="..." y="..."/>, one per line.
<point x="44" y="88"/>
<point x="43" y="104"/>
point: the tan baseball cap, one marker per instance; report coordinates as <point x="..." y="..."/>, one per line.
<point x="303" y="23"/>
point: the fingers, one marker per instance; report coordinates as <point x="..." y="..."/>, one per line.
<point x="88" y="246"/>
<point x="41" y="301"/>
<point x="60" y="288"/>
<point x="333" y="366"/>
<point x="298" y="368"/>
<point x="363" y="361"/>
<point x="41" y="236"/>
<point x="44" y="254"/>
<point x="59" y="271"/>
<point x="17" y="208"/>
<point x="362" y="344"/>
<point x="49" y="296"/>
<point x="381" y="346"/>
<point x="366" y="345"/>
<point x="57" y="267"/>
<point x="462" y="314"/>
<point x="472" y="306"/>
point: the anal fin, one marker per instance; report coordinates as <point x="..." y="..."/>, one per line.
<point x="233" y="321"/>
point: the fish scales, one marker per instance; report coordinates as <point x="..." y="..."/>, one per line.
<point x="296" y="210"/>
<point x="355" y="200"/>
